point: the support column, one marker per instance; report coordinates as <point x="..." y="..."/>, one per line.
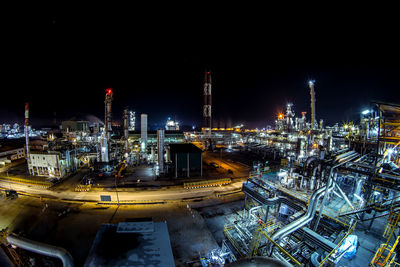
<point x="324" y="200"/>
<point x="245" y="202"/>
<point x="266" y="214"/>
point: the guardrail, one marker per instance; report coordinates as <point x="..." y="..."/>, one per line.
<point x="83" y="188"/>
<point x="207" y="183"/>
<point x="26" y="181"/>
<point x="337" y="246"/>
<point x="132" y="202"/>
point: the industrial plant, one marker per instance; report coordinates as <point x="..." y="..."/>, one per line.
<point x="305" y="193"/>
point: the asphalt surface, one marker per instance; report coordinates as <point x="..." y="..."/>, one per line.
<point x="132" y="195"/>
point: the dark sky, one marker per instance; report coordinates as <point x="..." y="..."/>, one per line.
<point x="62" y="59"/>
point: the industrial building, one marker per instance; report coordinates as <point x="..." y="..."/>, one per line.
<point x="143" y="243"/>
<point x="74" y="127"/>
<point x="186" y="160"/>
<point x="8" y="154"/>
<point x="172" y="125"/>
<point x="170" y="137"/>
<point x="49" y="164"/>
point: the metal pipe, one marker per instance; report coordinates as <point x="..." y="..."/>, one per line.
<point x="293" y="226"/>
<point x="345" y="160"/>
<point x="344" y="195"/>
<point x="253" y="209"/>
<point x="344" y="155"/>
<point x="41" y="248"/>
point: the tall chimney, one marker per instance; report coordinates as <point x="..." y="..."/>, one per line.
<point x="207" y="103"/>
<point x="26" y="128"/>
<point x="312" y="93"/>
<point x="126" y="131"/>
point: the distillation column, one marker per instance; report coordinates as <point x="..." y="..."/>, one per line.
<point x="160" y="143"/>
<point x="207" y="103"/>
<point x="107" y="126"/>
<point x="312" y="93"/>
<point x="26" y="129"/>
<point x="126" y="132"/>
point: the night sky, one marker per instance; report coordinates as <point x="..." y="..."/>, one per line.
<point x="62" y="59"/>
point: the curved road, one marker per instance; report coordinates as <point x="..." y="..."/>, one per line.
<point x="139" y="195"/>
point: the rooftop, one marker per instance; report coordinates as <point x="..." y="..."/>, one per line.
<point x="184" y="148"/>
<point x="131" y="244"/>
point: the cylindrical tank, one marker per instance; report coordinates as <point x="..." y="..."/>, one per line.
<point x="160" y="146"/>
<point x="143" y="131"/>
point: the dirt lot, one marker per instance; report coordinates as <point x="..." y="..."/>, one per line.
<point x="74" y="226"/>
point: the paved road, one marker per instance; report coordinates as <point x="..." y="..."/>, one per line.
<point x="239" y="169"/>
<point x="132" y="195"/>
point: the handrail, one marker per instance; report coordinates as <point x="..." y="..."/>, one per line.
<point x="338" y="245"/>
<point x="281" y="249"/>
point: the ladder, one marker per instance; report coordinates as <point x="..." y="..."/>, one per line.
<point x="255" y="243"/>
<point x="385" y="255"/>
<point x="391" y="226"/>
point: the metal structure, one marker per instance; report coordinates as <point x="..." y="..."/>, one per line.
<point x="106" y="138"/>
<point x="143" y="132"/>
<point x="10" y="239"/>
<point x="26" y="129"/>
<point x="312" y="93"/>
<point x="108" y="114"/>
<point x="132" y="120"/>
<point x="126" y="130"/>
<point x="160" y="147"/>
<point x="332" y="184"/>
<point x="207" y="124"/>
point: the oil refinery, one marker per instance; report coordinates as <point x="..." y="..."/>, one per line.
<point x="305" y="194"/>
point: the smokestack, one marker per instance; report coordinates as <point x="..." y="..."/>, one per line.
<point x="28" y="152"/>
<point x="108" y="114"/>
<point x="207" y="103"/>
<point x="160" y="143"/>
<point x="312" y="93"/>
<point x="126" y="131"/>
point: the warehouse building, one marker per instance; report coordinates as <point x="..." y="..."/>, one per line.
<point x="187" y="160"/>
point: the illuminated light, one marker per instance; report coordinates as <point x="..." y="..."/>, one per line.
<point x="365" y="112"/>
<point x="311" y="82"/>
<point x="109" y="91"/>
<point x="390" y="151"/>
